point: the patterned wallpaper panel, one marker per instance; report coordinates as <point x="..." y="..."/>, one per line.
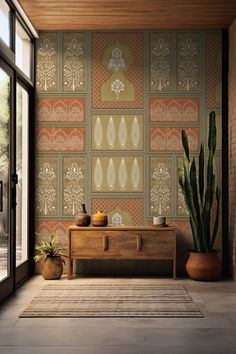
<point x="117" y="132"/>
<point x="161" y="65"/>
<point x="110" y="109"/>
<point x="118" y="70"/>
<point x="46" y="63"/>
<point x="60" y="139"/>
<point x="188" y="62"/>
<point x="60" y="110"/>
<point x="169" y="139"/>
<point x="175" y="109"/>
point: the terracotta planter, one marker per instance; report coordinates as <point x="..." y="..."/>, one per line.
<point x="203" y="266"/>
<point x="52" y="268"/>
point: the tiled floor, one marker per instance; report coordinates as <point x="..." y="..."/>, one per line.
<point x="216" y="333"/>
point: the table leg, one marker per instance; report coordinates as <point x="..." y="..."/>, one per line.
<point x="70" y="268"/>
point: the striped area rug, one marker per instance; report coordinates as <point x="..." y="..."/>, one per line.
<point x="118" y="300"/>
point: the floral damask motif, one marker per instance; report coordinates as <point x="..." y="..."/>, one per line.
<point x="73" y="187"/>
<point x="117" y="86"/>
<point x="116" y="61"/>
<point x="116" y="219"/>
<point x="46" y="67"/>
<point x="160" y="62"/>
<point x="46" y="190"/>
<point x="73" y="62"/>
<point x="188" y="62"/>
<point x="160" y="191"/>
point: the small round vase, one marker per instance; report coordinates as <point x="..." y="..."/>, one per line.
<point x="203" y="266"/>
<point x="83" y="219"/>
<point x="99" y="219"/>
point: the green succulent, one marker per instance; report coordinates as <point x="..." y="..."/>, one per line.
<point x="48" y="249"/>
<point x="198" y="197"/>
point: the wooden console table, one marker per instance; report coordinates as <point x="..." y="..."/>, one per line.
<point x="124" y="242"/>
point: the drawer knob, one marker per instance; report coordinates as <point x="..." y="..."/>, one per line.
<point x="139" y="243"/>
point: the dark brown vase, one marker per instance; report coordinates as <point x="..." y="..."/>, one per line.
<point x="52" y="268"/>
<point x="83" y="219"/>
<point x="203" y="266"/>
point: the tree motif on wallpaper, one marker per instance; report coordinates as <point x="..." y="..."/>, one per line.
<point x="46" y="69"/>
<point x="74" y="191"/>
<point x="46" y="193"/>
<point x="160" y="191"/>
<point x="188" y="67"/>
<point x="73" y="67"/>
<point x="160" y="66"/>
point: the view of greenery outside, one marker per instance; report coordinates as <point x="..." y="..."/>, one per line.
<point x="4" y="168"/>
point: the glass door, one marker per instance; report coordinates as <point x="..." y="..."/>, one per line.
<point x="5" y="181"/>
<point x="22" y="112"/>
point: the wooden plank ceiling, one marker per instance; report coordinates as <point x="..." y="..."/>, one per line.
<point x="129" y="14"/>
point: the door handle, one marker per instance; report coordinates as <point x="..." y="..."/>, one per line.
<point x="14" y="181"/>
<point x="1" y="195"/>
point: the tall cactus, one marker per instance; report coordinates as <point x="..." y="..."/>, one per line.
<point x="198" y="197"/>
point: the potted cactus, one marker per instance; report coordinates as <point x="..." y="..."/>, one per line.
<point x="199" y="195"/>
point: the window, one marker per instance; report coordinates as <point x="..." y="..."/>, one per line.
<point x="5" y="22"/>
<point x="23" y="49"/>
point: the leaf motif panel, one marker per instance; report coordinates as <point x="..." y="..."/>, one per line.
<point x="188" y="62"/>
<point x="46" y="186"/>
<point x="73" y="59"/>
<point x="73" y="184"/>
<point x="160" y="186"/>
<point x="117" y="174"/>
<point x="161" y="68"/>
<point x="46" y="62"/>
<point x="117" y="132"/>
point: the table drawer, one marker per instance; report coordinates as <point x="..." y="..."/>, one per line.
<point x="119" y="245"/>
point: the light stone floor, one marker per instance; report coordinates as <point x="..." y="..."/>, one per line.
<point x="214" y="334"/>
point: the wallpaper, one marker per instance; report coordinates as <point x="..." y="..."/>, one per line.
<point x="110" y="108"/>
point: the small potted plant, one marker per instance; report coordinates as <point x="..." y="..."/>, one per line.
<point x="200" y="192"/>
<point x="50" y="253"/>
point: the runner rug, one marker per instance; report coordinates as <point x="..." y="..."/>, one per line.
<point x="117" y="300"/>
